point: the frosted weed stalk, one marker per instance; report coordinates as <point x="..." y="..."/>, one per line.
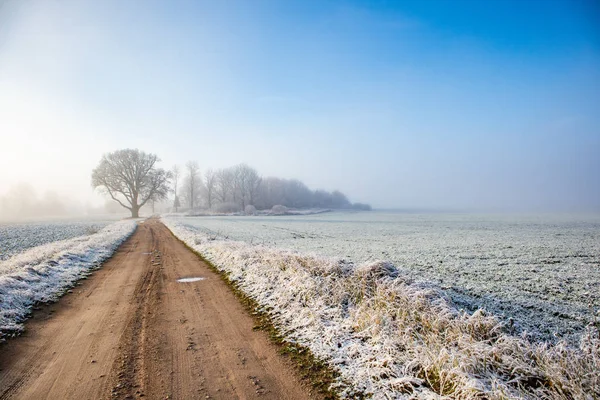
<point x="391" y="338"/>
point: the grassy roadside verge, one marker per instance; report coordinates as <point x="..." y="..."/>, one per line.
<point x="390" y="337"/>
<point x="315" y="372"/>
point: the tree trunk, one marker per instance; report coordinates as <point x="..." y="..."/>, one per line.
<point x="135" y="211"/>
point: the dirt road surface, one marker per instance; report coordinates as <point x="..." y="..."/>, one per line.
<point x="131" y="330"/>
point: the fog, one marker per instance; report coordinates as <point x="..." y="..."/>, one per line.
<point x="23" y="202"/>
<point x="399" y="106"/>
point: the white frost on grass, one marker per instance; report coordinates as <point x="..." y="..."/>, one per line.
<point x="15" y="238"/>
<point x="540" y="270"/>
<point x="391" y="338"/>
<point x="43" y="273"/>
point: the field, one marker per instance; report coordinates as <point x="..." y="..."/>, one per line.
<point x="542" y="271"/>
<point x="407" y="330"/>
<point x="18" y="237"/>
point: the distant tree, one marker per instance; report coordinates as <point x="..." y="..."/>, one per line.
<point x="297" y="194"/>
<point x="247" y="182"/>
<point x="236" y="185"/>
<point x="361" y="206"/>
<point x="192" y="183"/>
<point x="253" y="181"/>
<point x="130" y="177"/>
<point x="322" y="199"/>
<point x="339" y="199"/>
<point x="210" y="183"/>
<point x="176" y="171"/>
<point x="272" y="192"/>
<point x="242" y="185"/>
<point x="224" y="185"/>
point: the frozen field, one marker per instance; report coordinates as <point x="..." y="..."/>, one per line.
<point x="41" y="260"/>
<point x="18" y="237"/>
<point x="542" y="271"/>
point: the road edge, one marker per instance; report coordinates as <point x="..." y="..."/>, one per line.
<point x="309" y="368"/>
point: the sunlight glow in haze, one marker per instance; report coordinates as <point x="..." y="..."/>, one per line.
<point x="467" y="105"/>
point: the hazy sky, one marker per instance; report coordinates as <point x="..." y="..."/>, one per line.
<point x="455" y="104"/>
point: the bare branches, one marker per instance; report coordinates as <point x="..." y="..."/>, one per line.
<point x="236" y="187"/>
<point x="224" y="185"/>
<point x="192" y="183"/>
<point x="157" y="185"/>
<point x="210" y="180"/>
<point x="129" y="176"/>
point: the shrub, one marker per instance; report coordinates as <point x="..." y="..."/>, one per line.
<point x="250" y="210"/>
<point x="279" y="210"/>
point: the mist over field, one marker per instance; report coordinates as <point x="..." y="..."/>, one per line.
<point x="408" y="106"/>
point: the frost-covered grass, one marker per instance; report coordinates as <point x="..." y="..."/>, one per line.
<point x="18" y="237"/>
<point x="391" y="337"/>
<point x="43" y="273"/>
<point x="543" y="271"/>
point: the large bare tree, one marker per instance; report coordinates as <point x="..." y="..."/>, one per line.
<point x="131" y="178"/>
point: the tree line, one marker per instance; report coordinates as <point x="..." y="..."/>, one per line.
<point x="235" y="188"/>
<point x="131" y="178"/>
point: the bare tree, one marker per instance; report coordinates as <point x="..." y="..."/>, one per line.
<point x="247" y="182"/>
<point x="272" y="192"/>
<point x="210" y="182"/>
<point x="239" y="186"/>
<point x="224" y="184"/>
<point x="254" y="181"/>
<point x="339" y="199"/>
<point x="175" y="171"/>
<point x="297" y="194"/>
<point x="193" y="182"/>
<point x="236" y="185"/>
<point x="131" y="178"/>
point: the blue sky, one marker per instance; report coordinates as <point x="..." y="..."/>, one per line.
<point x="432" y="104"/>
